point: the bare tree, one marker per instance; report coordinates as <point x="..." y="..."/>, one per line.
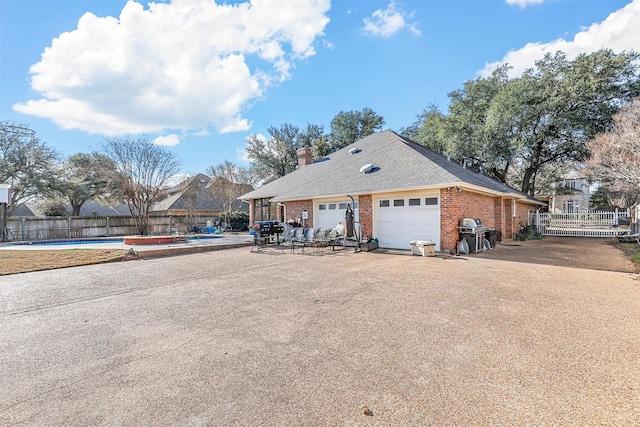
<point x="189" y="190"/>
<point x="228" y="182"/>
<point x="615" y="155"/>
<point x="138" y="171"/>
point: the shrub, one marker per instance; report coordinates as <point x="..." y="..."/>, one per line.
<point x="239" y="221"/>
<point x="53" y="208"/>
<point x="528" y="232"/>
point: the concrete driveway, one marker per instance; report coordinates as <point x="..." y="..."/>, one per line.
<point x="576" y="252"/>
<point x="234" y="338"/>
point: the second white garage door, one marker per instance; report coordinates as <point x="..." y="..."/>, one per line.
<point x="331" y="212"/>
<point x="399" y="219"/>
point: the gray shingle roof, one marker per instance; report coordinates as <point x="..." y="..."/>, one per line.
<point x="204" y="200"/>
<point x="399" y="164"/>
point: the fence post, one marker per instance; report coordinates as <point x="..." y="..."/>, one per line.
<point x="22" y="229"/>
<point x="107" y="226"/>
<point x="69" y="227"/>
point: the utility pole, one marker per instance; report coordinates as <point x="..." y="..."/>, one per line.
<point x="5" y="199"/>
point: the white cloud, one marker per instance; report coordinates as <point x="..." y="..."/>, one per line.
<point x="168" y="140"/>
<point x="387" y="22"/>
<point x="176" y="179"/>
<point x="524" y="3"/>
<point x="242" y="155"/>
<point x="619" y="32"/>
<point x="187" y="64"/>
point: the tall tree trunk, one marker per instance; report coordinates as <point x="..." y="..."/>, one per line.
<point x="527" y="180"/>
<point x="75" y="207"/>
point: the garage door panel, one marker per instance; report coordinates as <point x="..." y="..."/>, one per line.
<point x="329" y="218"/>
<point x="396" y="226"/>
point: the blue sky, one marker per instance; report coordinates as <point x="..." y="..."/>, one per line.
<point x="200" y="76"/>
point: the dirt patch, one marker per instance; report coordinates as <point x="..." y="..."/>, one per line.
<point x="12" y="262"/>
<point x="576" y="252"/>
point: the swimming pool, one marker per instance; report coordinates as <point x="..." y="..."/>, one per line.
<point x="75" y="242"/>
<point x="61" y="242"/>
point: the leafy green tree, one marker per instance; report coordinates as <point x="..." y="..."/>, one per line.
<point x="432" y="129"/>
<point x="599" y="198"/>
<point x="83" y="180"/>
<point x="315" y="138"/>
<point x="514" y="129"/>
<point x="562" y="104"/>
<point x="349" y="127"/>
<point x="276" y="156"/>
<point x="137" y="171"/>
<point x="27" y="164"/>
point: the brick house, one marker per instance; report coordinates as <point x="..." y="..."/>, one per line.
<point x="402" y="191"/>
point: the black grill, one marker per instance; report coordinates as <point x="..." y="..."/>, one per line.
<point x="269" y="228"/>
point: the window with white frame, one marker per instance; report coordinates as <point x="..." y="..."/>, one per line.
<point x="570" y="206"/>
<point x="573" y="185"/>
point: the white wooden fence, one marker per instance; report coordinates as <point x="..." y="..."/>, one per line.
<point x="584" y="224"/>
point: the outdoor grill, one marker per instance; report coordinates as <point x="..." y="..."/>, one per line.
<point x="268" y="231"/>
<point x="269" y="228"/>
<point x="472" y="226"/>
<point x="473" y="231"/>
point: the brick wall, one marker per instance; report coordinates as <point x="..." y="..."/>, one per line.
<point x="294" y="211"/>
<point x="465" y="204"/>
<point x="522" y="215"/>
<point x="365" y="211"/>
<point x="499" y="215"/>
<point x="495" y="212"/>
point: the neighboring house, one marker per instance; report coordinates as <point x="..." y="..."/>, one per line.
<point x="28" y="209"/>
<point x="194" y="196"/>
<point x="571" y="194"/>
<point x="402" y="192"/>
<point x="89" y="208"/>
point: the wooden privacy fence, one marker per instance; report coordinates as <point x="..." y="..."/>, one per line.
<point x="584" y="224"/>
<point x="32" y="229"/>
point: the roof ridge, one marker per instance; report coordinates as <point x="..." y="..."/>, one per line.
<point x="339" y="166"/>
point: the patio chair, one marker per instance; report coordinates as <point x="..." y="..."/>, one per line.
<point x="297" y="238"/>
<point x="308" y="238"/>
<point x="259" y="243"/>
<point x="322" y="237"/>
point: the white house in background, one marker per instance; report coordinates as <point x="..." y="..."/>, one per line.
<point x="571" y="194"/>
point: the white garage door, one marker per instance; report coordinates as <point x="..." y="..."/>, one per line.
<point x="399" y="219"/>
<point x="329" y="214"/>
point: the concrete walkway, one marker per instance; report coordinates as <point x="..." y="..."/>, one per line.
<point x="234" y="338"/>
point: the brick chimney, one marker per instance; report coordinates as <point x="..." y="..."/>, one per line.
<point x="304" y="156"/>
